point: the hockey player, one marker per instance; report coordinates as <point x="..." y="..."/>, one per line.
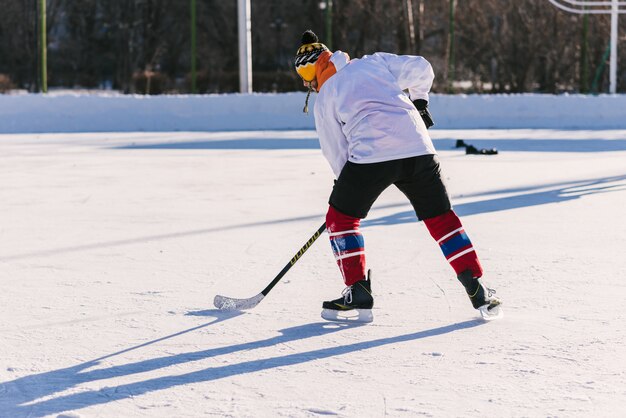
<point x="374" y="135"/>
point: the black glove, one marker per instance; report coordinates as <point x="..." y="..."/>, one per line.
<point x="422" y="107"/>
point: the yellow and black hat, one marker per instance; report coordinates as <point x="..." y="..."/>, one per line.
<point x="308" y="54"/>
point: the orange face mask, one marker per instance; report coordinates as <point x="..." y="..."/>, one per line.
<point x="324" y="69"/>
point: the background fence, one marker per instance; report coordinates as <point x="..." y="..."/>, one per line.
<point x="144" y="46"/>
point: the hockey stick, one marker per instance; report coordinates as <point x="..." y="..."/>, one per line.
<point x="231" y="304"/>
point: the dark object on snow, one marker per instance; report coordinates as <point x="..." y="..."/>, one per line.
<point x="470" y="149"/>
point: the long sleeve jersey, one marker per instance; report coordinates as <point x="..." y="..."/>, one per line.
<point x="362" y="114"/>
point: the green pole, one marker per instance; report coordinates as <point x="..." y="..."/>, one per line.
<point x="329" y="24"/>
<point x="584" y="82"/>
<point x="451" y="50"/>
<point x="42" y="46"/>
<point x="600" y="70"/>
<point x="193" y="47"/>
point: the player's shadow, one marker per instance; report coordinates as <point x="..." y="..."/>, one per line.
<point x="22" y="395"/>
<point x="567" y="191"/>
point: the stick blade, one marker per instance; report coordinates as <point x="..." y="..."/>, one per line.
<point x="225" y="303"/>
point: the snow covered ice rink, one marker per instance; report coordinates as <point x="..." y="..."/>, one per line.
<point x="113" y="245"/>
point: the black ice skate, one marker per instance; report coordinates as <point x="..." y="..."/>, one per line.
<point x="482" y="297"/>
<point x="355" y="303"/>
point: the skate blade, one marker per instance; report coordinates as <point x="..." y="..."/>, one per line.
<point x="495" y="312"/>
<point x="353" y="315"/>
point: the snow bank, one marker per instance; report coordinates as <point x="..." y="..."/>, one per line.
<point x="530" y="111"/>
<point x="33" y="113"/>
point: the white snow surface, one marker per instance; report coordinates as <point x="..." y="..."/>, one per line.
<point x="113" y="245"/>
<point x="80" y="112"/>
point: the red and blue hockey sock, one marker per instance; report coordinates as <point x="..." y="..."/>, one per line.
<point x="449" y="233"/>
<point x="347" y="244"/>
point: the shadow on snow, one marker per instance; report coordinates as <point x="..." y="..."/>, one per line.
<point x="527" y="145"/>
<point x="247" y="143"/>
<point x="539" y="145"/>
<point x="20" y="396"/>
<point x="559" y="192"/>
<point x="564" y="192"/>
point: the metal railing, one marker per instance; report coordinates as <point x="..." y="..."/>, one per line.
<point x="612" y="7"/>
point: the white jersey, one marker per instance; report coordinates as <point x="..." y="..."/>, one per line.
<point x="362" y="114"/>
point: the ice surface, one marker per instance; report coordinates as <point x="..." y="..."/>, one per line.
<point x="113" y="245"/>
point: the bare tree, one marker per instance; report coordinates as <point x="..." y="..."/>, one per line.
<point x="144" y="45"/>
